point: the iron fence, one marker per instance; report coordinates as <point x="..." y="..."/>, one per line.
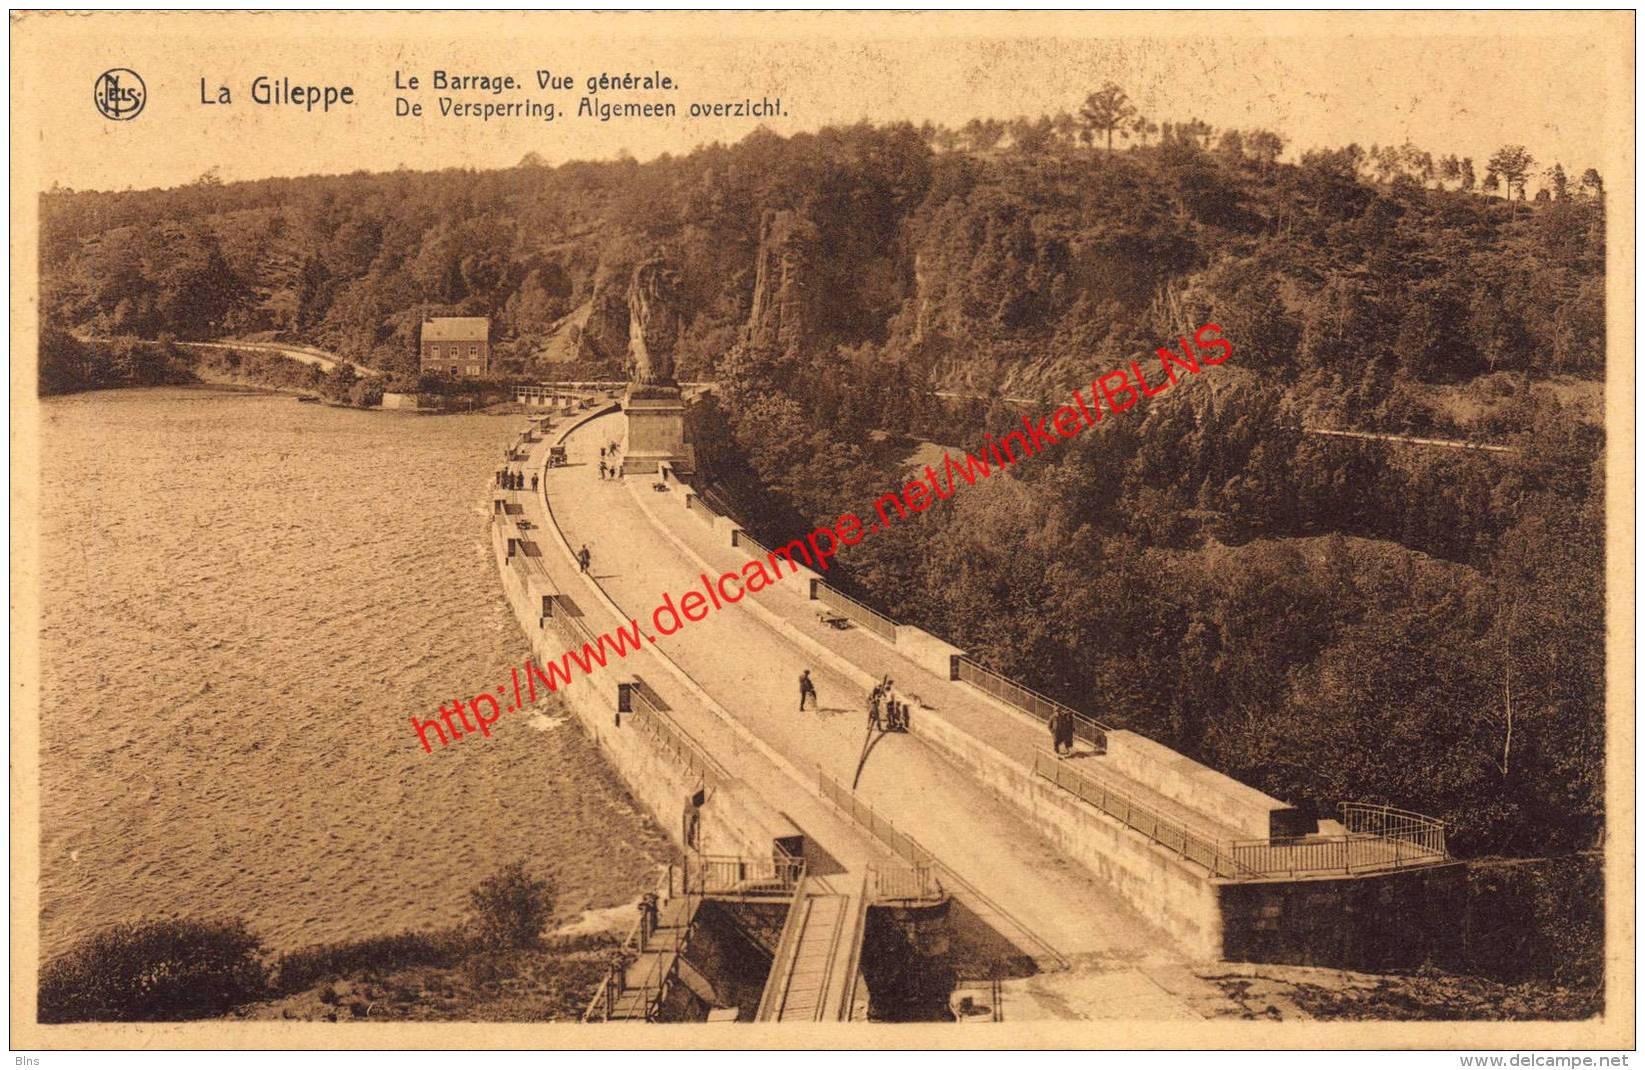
<point x="1262" y="858"/>
<point x="876" y="622"/>
<point x="743" y="540"/>
<point x="1195" y="846"/>
<point x="1426" y="834"/>
<point x="904" y="882"/>
<point x="714" y="501"/>
<point x="675" y="741"/>
<point x="1376" y="838"/>
<point x="1030" y="701"/>
<point x="853" y="966"/>
<point x="698" y="508"/>
<point x="1408" y="840"/>
<point x="648" y="995"/>
<point x="569" y="628"/>
<point x="733" y="875"/>
<point x="901" y="843"/>
<point x="781" y="963"/>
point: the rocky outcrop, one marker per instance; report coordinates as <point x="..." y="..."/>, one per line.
<point x="604" y="334"/>
<point x="653" y="323"/>
<point x="784" y="311"/>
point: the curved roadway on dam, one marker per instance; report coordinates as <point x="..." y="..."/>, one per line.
<point x="644" y="544"/>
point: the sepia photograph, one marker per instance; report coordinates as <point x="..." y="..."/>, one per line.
<point x="795" y="530"/>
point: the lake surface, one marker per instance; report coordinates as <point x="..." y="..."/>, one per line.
<point x="244" y="600"/>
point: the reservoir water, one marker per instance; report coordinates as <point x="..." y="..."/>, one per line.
<point x="244" y="600"/>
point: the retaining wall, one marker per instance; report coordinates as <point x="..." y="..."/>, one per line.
<point x="1383" y="921"/>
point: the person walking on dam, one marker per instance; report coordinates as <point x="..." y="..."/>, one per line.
<point x="534" y="483"/>
<point x="583" y="557"/>
<point x="807" y="690"/>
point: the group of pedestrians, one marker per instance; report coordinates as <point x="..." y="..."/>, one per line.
<point x="613" y="469"/>
<point x="886" y="709"/>
<point x="508" y="479"/>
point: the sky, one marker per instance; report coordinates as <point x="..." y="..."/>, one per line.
<point x="1451" y="83"/>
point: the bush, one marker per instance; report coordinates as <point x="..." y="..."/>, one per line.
<point x="367" y="393"/>
<point x="155" y="971"/>
<point x="297" y="970"/>
<point x="511" y="908"/>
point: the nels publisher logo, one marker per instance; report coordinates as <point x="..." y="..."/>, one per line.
<point x="120" y="94"/>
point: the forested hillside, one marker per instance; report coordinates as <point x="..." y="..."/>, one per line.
<point x="1326" y="619"/>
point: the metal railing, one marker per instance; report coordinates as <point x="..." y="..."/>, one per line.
<point x="909" y="848"/>
<point x="901" y="843"/>
<point x="849" y="607"/>
<point x="569" y="627"/>
<point x="743" y="540"/>
<point x="674" y="740"/>
<point x="653" y="987"/>
<point x="1426" y="834"/>
<point x="781" y="963"/>
<point x="1261" y="858"/>
<point x="695" y="505"/>
<point x="853" y="965"/>
<point x="904" y="882"/>
<point x="1188" y="843"/>
<point x="1030" y="701"/>
<point x="714" y="501"/>
<point x="708" y="875"/>
<point x="1377" y="838"/>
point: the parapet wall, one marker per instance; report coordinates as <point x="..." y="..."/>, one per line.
<point x="1198" y="787"/>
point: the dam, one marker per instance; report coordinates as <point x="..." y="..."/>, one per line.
<point x="959" y="869"/>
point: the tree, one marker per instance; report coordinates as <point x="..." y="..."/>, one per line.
<point x="156" y="971"/>
<point x="1106" y="111"/>
<point x="983" y="134"/>
<point x="1450" y="169"/>
<point x="1197" y="129"/>
<point x="1142" y="126"/>
<point x="1031" y="136"/>
<point x="510" y="908"/>
<point x="1232" y="144"/>
<point x="1590" y="185"/>
<point x="1266" y="146"/>
<point x="1513" y="164"/>
<point x="1468" y="178"/>
<point x="1557" y="182"/>
<point x="1065" y="127"/>
<point x="1492" y="182"/>
<point x="1387" y="162"/>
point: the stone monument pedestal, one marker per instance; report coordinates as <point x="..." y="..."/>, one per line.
<point x="656" y="429"/>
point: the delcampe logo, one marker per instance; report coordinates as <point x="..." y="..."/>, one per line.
<point x="120" y="94"/>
